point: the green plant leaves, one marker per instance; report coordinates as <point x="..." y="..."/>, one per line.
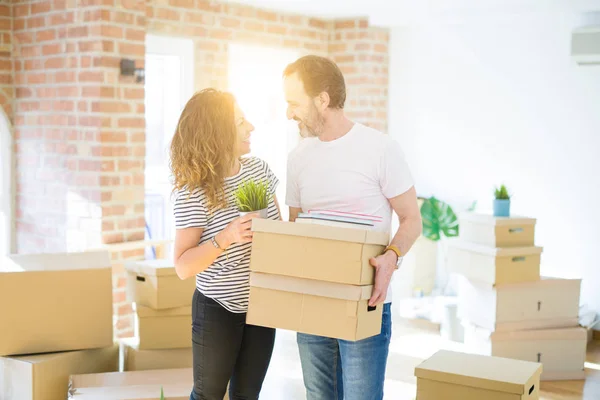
<point x="438" y="218"/>
<point x="162" y="394"/>
<point x="501" y="193"/>
<point x="252" y="196"/>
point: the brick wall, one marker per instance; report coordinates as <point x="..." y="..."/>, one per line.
<point x="80" y="126"/>
<point x="361" y="51"/>
<point x="6" y="67"/>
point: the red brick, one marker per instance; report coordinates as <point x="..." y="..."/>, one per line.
<point x="208" y="5"/>
<point x="112" y="31"/>
<point x="380" y="48"/>
<point x="124" y="309"/>
<point x="134" y="93"/>
<point x="135" y="34"/>
<point x="132" y="50"/>
<point x="254" y="26"/>
<point x="67" y="91"/>
<point x="345" y="24"/>
<point x="41" y="7"/>
<point x="33" y="79"/>
<point x="317" y="23"/>
<point x="363" y="23"/>
<point x="31" y="51"/>
<point x="223" y="34"/>
<point x="168" y="14"/>
<point x="35" y="22"/>
<point x="277" y="29"/>
<point x="91" y="76"/>
<point x="182" y="3"/>
<point x="362" y="46"/>
<point x="53" y="63"/>
<point x="230" y="22"/>
<point x="337" y="47"/>
<point x="64" y="106"/>
<point x="50" y="49"/>
<point x="22" y="10"/>
<point x="267" y="15"/>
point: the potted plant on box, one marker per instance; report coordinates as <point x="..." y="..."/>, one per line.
<point x="501" y="202"/>
<point x="253" y="196"/>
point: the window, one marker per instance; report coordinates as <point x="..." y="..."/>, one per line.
<point x="6" y="187"/>
<point x="169" y="84"/>
<point x="255" y="78"/>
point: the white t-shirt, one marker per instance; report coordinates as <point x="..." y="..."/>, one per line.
<point x="358" y="173"/>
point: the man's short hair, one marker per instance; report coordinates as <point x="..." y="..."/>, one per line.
<point x="320" y="74"/>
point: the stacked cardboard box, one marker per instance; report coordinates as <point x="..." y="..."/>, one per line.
<point x="163" y="313"/>
<point x="314" y="279"/>
<point x="507" y="308"/>
<point x="56" y="319"/>
<point x="459" y="376"/>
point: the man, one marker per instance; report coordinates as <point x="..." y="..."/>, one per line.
<point x="345" y="166"/>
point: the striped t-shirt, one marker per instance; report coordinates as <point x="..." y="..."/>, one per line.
<point x="227" y="280"/>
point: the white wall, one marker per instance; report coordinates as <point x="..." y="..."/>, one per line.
<point x="492" y="100"/>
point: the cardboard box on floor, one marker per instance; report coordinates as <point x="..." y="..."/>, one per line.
<point x="46" y="376"/>
<point x="493" y="231"/>
<point x="492" y="265"/>
<point x="547" y="303"/>
<point x="313" y="251"/>
<point x="450" y="375"/>
<point x="135" y="385"/>
<point x="136" y="359"/>
<point x="163" y="329"/>
<point x="561" y="351"/>
<point x="154" y="284"/>
<point x="315" y="307"/>
<point x="55" y="302"/>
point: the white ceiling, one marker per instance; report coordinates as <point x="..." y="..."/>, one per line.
<point x="401" y="12"/>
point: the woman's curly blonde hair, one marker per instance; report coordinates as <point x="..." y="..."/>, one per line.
<point x="203" y="146"/>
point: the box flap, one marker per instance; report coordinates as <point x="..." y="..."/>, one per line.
<point x="56" y="261"/>
<point x="169" y="312"/>
<point x="474" y="370"/>
<point x="321" y="231"/>
<point x="489" y="219"/>
<point x="577" y="333"/>
<point x="163" y="267"/>
<point x="495" y="251"/>
<point x="310" y="286"/>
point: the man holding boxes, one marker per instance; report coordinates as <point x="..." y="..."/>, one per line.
<point x="347" y="167"/>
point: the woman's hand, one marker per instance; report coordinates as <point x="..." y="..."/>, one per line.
<point x="238" y="231"/>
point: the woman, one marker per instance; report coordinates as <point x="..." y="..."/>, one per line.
<point x="212" y="243"/>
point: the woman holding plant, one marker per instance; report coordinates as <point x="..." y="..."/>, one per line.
<point x="213" y="183"/>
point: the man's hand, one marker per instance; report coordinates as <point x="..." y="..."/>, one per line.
<point x="384" y="265"/>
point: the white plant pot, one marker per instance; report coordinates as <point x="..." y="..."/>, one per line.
<point x="264" y="213"/>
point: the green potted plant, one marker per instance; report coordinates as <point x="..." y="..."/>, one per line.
<point x="438" y="219"/>
<point x="501" y="202"/>
<point x="253" y="196"/>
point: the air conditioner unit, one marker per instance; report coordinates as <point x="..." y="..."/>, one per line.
<point x="585" y="45"/>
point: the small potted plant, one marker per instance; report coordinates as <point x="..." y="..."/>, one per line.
<point x="501" y="202"/>
<point x="252" y="196"/>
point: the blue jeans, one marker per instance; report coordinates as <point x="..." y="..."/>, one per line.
<point x="336" y="369"/>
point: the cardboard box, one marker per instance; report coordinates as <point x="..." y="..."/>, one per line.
<point x="135" y="385"/>
<point x="493" y="231"/>
<point x="314" y="307"/>
<point x="155" y="284"/>
<point x="547" y="303"/>
<point x="561" y="351"/>
<point x="55" y="302"/>
<point x="46" y="376"/>
<point x="494" y="265"/>
<point x="450" y="375"/>
<point x="313" y="251"/>
<point x="135" y="359"/>
<point x="163" y="329"/>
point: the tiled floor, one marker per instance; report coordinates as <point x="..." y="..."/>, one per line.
<point x="408" y="348"/>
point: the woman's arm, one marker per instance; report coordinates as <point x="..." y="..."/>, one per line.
<point x="191" y="259"/>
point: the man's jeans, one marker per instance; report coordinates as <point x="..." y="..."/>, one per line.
<point x="341" y="370"/>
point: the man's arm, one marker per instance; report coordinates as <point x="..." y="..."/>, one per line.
<point x="294" y="211"/>
<point x="409" y="215"/>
